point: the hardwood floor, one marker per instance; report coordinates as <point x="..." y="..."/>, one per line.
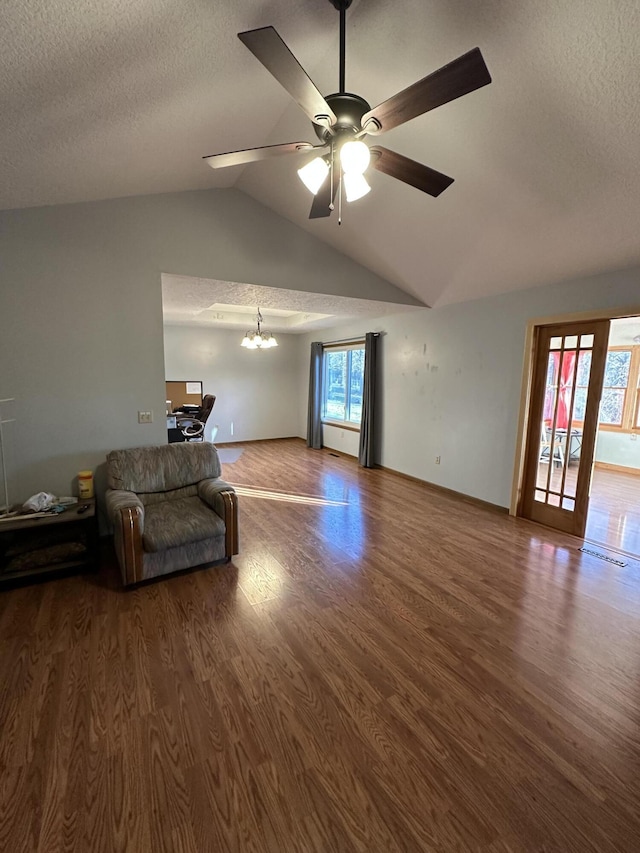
<point x="613" y="519"/>
<point x="382" y="668"/>
<point x="614" y="510"/>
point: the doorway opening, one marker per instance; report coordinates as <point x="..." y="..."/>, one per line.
<point x="578" y="460"/>
<point x="613" y="518"/>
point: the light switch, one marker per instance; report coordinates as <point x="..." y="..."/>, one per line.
<point x="145" y="417"/>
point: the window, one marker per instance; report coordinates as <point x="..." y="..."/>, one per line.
<point x="614" y="389"/>
<point x="620" y="403"/>
<point x="343" y="379"/>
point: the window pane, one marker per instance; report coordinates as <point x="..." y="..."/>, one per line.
<point x="579" y="404"/>
<point x="584" y="369"/>
<point x="616" y="371"/>
<point x="335" y="384"/>
<point x="356" y="382"/>
<point x="552" y="382"/>
<point x="612" y="405"/>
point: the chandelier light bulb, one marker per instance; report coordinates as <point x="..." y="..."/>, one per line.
<point x="313" y="175"/>
<point x="355" y="186"/>
<point x="354" y="157"/>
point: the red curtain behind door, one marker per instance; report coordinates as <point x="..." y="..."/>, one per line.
<point x="565" y="387"/>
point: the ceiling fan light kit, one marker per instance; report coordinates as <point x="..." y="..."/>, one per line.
<point x="342" y="119"/>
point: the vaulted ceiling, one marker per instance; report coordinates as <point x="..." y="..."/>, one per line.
<point x="106" y="99"/>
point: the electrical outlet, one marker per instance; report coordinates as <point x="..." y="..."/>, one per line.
<point x="437" y="460"/>
<point x="145" y="417"/>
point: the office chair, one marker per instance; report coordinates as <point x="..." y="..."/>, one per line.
<point x="192" y="424"/>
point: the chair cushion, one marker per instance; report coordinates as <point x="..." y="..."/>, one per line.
<point x="169" y="524"/>
<point x="160" y="469"/>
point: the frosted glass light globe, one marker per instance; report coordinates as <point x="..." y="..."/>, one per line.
<point x="354" y="157"/>
<point x="313" y="174"/>
<point x="355" y="186"/>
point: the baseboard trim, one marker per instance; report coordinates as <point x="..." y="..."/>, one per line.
<point x="622" y="469"/>
<point x="503" y="510"/>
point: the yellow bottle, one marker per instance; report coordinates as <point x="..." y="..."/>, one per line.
<point x="85" y="484"/>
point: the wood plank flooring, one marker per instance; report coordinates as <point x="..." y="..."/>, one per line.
<point x="613" y="519"/>
<point x="614" y="510"/>
<point x="382" y="668"/>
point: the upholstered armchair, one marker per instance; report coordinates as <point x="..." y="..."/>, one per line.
<point x="169" y="509"/>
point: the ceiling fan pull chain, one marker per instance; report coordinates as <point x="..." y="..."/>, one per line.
<point x="333" y="160"/>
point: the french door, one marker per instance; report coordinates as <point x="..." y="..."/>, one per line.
<point x="568" y="371"/>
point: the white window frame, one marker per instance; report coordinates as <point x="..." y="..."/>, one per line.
<point x="344" y="423"/>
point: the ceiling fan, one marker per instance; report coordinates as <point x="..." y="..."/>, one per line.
<point x="342" y="120"/>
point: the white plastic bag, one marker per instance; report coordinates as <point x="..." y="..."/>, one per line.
<point x="40" y="502"/>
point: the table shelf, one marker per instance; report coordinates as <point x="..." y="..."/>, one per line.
<point x="49" y="545"/>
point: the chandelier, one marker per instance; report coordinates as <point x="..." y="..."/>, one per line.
<point x="259" y="339"/>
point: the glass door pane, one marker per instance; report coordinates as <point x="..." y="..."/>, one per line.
<point x="568" y="371"/>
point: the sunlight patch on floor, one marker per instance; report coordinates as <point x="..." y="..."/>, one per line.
<point x="271" y="495"/>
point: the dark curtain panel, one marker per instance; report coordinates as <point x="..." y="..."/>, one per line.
<point x="368" y="425"/>
<point x="314" y="422"/>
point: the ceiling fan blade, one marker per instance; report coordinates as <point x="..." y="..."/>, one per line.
<point x="267" y="46"/>
<point x="251" y="155"/>
<point x="404" y="169"/>
<point x="324" y="197"/>
<point x="465" y="74"/>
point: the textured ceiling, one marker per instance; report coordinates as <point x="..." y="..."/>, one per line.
<point x="104" y="99"/>
<point x="188" y="301"/>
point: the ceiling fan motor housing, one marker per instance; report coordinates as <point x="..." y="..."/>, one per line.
<point x="349" y="110"/>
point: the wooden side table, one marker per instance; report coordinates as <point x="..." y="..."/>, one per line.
<point x="31" y="547"/>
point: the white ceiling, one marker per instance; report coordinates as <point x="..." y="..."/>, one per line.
<point x="624" y="332"/>
<point x="188" y="301"/>
<point x="105" y="99"/>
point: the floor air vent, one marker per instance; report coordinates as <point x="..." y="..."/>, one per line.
<point x="602" y="557"/>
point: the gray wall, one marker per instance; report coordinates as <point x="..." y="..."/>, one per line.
<point x="452" y="379"/>
<point x="81" y="314"/>
<point x="256" y="390"/>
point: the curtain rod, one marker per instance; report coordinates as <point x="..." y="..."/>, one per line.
<point x="348" y="340"/>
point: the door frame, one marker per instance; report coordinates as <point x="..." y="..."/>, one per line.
<point x="527" y="379"/>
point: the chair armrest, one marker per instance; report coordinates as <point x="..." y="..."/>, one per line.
<point x="126" y="513"/>
<point x="222" y="499"/>
<point x="119" y="499"/>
